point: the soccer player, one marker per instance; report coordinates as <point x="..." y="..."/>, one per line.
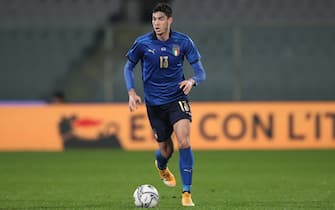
<point x="162" y="53"/>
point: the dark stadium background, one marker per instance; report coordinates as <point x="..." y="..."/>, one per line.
<point x="252" y="49"/>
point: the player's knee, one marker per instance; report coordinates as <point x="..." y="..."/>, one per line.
<point x="184" y="143"/>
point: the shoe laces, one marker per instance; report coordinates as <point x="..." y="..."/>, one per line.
<point x="166" y="174"/>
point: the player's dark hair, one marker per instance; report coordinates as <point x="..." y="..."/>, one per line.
<point x="163" y="7"/>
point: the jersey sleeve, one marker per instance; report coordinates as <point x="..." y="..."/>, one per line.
<point x="135" y="52"/>
<point x="192" y="53"/>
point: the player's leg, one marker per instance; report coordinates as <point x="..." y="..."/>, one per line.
<point x="162" y="130"/>
<point x="180" y="116"/>
<point x="186" y="159"/>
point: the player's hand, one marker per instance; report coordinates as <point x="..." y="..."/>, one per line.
<point x="186" y="85"/>
<point x="134" y="100"/>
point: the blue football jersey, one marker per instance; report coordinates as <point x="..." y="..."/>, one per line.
<point x="162" y="65"/>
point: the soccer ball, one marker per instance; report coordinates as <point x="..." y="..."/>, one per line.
<point x="146" y="196"/>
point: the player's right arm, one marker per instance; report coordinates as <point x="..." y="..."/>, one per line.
<point x="134" y="55"/>
<point x="134" y="99"/>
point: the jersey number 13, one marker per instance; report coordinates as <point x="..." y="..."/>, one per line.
<point x="163" y="62"/>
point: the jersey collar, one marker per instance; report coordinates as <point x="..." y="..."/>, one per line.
<point x="154" y="37"/>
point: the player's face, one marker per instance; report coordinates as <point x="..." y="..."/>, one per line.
<point x="161" y="23"/>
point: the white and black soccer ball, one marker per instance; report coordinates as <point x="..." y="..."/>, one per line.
<point x="146" y="196"/>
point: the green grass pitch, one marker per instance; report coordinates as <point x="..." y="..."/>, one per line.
<point x="106" y="179"/>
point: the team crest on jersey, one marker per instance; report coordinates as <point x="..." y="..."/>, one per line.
<point x="175" y="50"/>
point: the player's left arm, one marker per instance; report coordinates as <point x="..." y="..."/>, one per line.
<point x="199" y="76"/>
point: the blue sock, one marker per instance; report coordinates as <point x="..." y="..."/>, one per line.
<point x="186" y="162"/>
<point x="161" y="161"/>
